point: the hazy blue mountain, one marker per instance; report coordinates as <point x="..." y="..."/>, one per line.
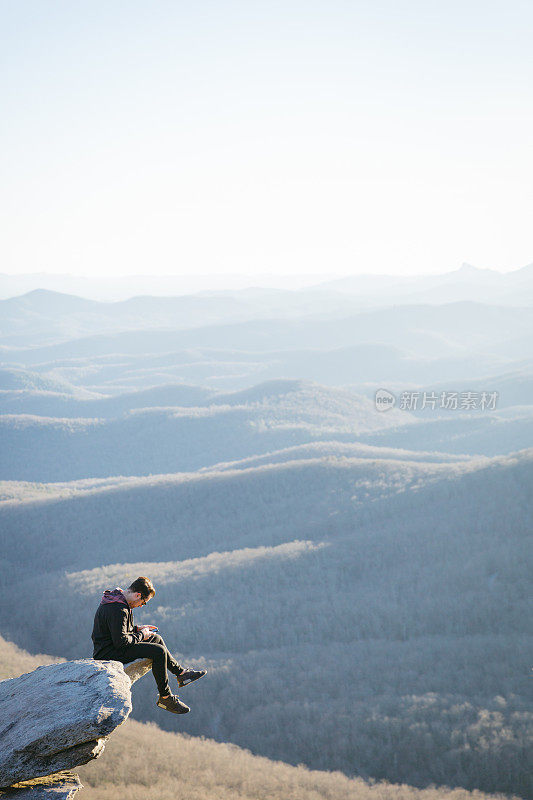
<point x="57" y="404"/>
<point x="127" y="438"/>
<point x="321" y="450"/>
<point x="262" y="502"/>
<point x="519" y="346"/>
<point x="335" y="451"/>
<point x="357" y="582"/>
<point x="45" y="303"/>
<point x="114" y="288"/>
<point x="363" y="367"/>
<point x="257" y="506"/>
<point x="513" y="388"/>
<point x="22" y="380"/>
<point x="468" y="283"/>
<point x="455" y="329"/>
<point x="487" y="434"/>
<point x="43" y="315"/>
<point x="156" y="440"/>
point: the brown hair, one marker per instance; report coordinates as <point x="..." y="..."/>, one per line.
<point x="144" y="586"/>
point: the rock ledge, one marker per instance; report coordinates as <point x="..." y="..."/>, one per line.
<point x="58" y="717"/>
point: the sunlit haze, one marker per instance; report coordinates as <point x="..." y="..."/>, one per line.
<point x="324" y="138"/>
<point x="266" y="339"/>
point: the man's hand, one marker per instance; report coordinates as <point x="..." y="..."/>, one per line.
<point x="147" y="630"/>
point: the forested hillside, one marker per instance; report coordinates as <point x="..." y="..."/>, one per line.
<point x="14" y="661"/>
<point x="355" y="580"/>
<point x="490" y="434"/>
<point x="154" y="440"/>
<point x="140" y="758"/>
<point x="393" y="588"/>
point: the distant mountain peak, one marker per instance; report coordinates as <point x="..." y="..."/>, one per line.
<point x="50" y="299"/>
<point x="48" y="293"/>
<point x="525" y="270"/>
<point x="469" y="269"/>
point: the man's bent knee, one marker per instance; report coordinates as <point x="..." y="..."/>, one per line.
<point x="157" y="651"/>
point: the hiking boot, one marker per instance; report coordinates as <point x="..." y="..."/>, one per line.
<point x="172" y="703"/>
<point x="187" y="676"/>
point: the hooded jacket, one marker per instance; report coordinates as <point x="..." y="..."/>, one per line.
<point x="113" y="628"/>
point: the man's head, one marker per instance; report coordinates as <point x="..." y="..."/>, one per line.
<point x="139" y="592"/>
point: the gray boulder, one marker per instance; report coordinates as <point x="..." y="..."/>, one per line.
<point x="62" y="786"/>
<point x="136" y="669"/>
<point x="58" y="717"/>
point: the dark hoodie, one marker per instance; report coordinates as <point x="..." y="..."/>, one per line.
<point x="113" y="628"/>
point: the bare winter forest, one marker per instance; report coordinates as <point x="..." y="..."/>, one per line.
<point x="356" y="580"/>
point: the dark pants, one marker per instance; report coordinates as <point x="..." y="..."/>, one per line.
<point x="154" y="648"/>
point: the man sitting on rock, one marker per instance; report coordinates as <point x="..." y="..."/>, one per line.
<point x="116" y="638"/>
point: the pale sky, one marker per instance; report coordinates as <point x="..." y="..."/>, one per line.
<point x="265" y="137"/>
